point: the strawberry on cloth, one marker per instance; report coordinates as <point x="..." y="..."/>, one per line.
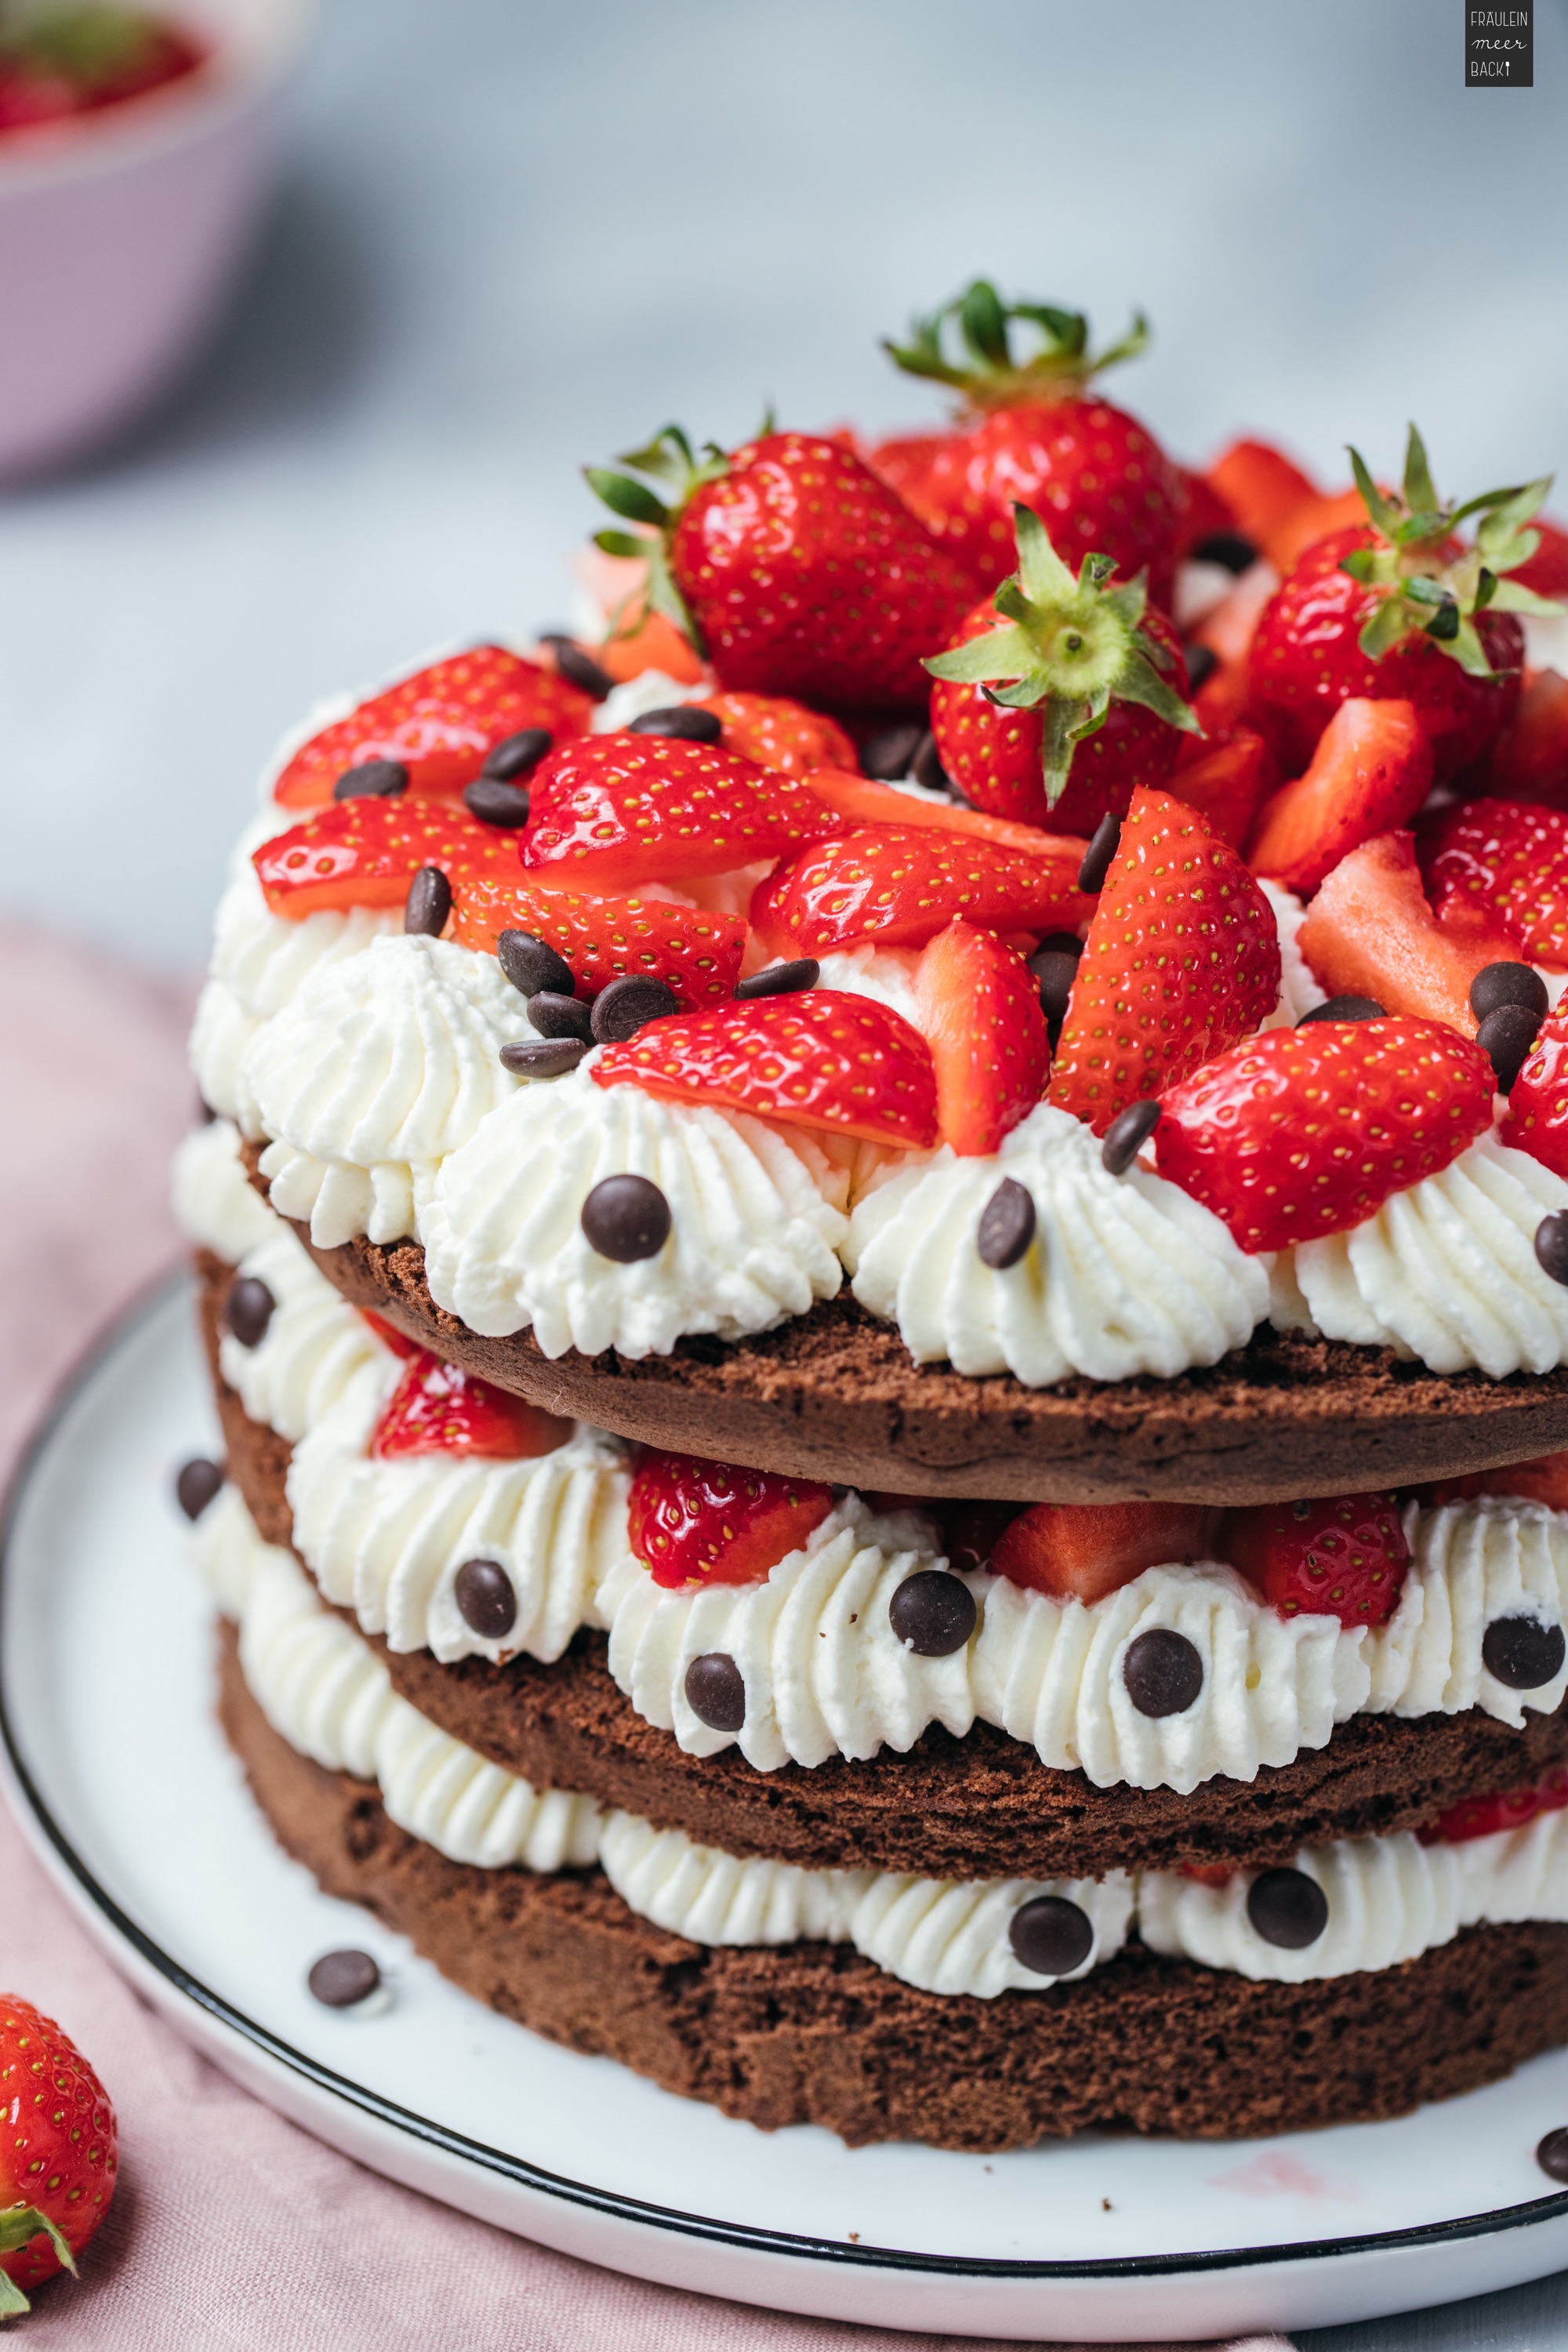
<point x="59" y="2150"/>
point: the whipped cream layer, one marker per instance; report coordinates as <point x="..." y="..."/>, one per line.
<point x="323" y="1691"/>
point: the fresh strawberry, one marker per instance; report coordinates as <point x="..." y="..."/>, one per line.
<point x="1344" y="1557"/>
<point x="863" y="801"/>
<point x="1204" y="513"/>
<point x="1303" y="1132"/>
<point x="1529" y="761"/>
<point x="1370" y="772"/>
<point x="55" y="63"/>
<point x="1057" y="695"/>
<point x="1370" y="932"/>
<point x="1397" y="609"/>
<point x="439" y="724"/>
<point x="1183" y="955"/>
<point x="699" y="1522"/>
<point x="1547" y="570"/>
<point x="439" y="1408"/>
<point x="1082" y="1552"/>
<point x="1507" y="862"/>
<point x="979" y="1012"/>
<point x="365" y="852"/>
<point x="1478" y="1817"/>
<point x="779" y="734"/>
<point x="1544" y="1480"/>
<point x="695" y="953"/>
<point x="390" y="1337"/>
<point x="644" y="640"/>
<point x="1537" y="1120"/>
<point x="1031" y="431"/>
<point x="900" y="885"/>
<point x="791" y="567"/>
<point x="1277" y="505"/>
<point x="820" y="1059"/>
<point x="59" y="2149"/>
<point x="617" y="810"/>
<point x="1224" y="780"/>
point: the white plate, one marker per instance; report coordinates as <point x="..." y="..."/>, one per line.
<point x="139" y="1812"/>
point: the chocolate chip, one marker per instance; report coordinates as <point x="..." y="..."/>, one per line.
<point x="626" y="1218"/>
<point x="782" y="979"/>
<point x="530" y="965"/>
<point x="516" y="755"/>
<point x="1288" y="1909"/>
<point x="1505" y="1037"/>
<point x="1344" y="1008"/>
<point x="1551" y="1245"/>
<point x="428" y="904"/>
<point x="1007" y="1226"/>
<point x="495" y="802"/>
<point x="687" y="721"/>
<point x="1097" y="858"/>
<point x="627" y="1004"/>
<point x="1227" y="548"/>
<point x="931" y="1612"/>
<point x="560" y="1016"/>
<point x="1125" y="1137"/>
<point x="1163" y="1671"/>
<point x="926" y="766"/>
<point x="888" y="756"/>
<point x="1522" y="1653"/>
<point x="250" y="1310"/>
<point x="716" y="1691"/>
<point x="1051" y="1936"/>
<point x="343" y="1980"/>
<point x="1202" y="663"/>
<point x="486" y="1598"/>
<point x="1055" y="964"/>
<point x="381" y="780"/>
<point x="577" y="666"/>
<point x="198" y="1482"/>
<point x="1551" y="2155"/>
<point x="542" y="1057"/>
<point x="1508" y="984"/>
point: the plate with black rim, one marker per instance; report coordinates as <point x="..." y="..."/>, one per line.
<point x="123" y="1781"/>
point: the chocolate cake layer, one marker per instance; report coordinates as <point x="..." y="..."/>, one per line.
<point x="980" y="1807"/>
<point x="833" y="1395"/>
<point x="815" y="2034"/>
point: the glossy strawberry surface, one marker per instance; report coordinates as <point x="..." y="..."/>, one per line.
<point x="980" y="1015"/>
<point x="367" y="851"/>
<point x="617" y="810"/>
<point x="1507" y="860"/>
<point x="900" y="885"/>
<point x="439" y="1408"/>
<point x="697" y="954"/>
<point x="693" y="1521"/>
<point x="1344" y="1555"/>
<point x="59" y="2142"/>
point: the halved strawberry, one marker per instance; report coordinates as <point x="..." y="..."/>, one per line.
<point x="365" y="852"/>
<point x="1547" y="570"/>
<point x="1370" y="932"/>
<point x="698" y="1522"/>
<point x="783" y="736"/>
<point x="615" y="811"/>
<point x="980" y="1010"/>
<point x="1303" y="1132"/>
<point x="821" y="1058"/>
<point x="1343" y="1557"/>
<point x="1183" y="955"/>
<point x="1370" y="772"/>
<point x="439" y="723"/>
<point x="1529" y="761"/>
<point x="1537" y="1120"/>
<point x="438" y="1407"/>
<point x="1478" y="1817"/>
<point x="862" y="802"/>
<point x="900" y="885"/>
<point x="390" y="1337"/>
<point x="696" y="953"/>
<point x="1506" y="862"/>
<point x="642" y="640"/>
<point x="1544" y="1480"/>
<point x="1276" y="505"/>
<point x="1224" y="780"/>
<point x="1082" y="1552"/>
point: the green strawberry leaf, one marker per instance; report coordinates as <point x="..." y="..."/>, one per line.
<point x="1383" y="629"/>
<point x="634" y="500"/>
<point x="1384" y="514"/>
<point x="1513" y="596"/>
<point x="1003" y="652"/>
<point x="1042" y="576"/>
<point x="983" y="322"/>
<point x="620" y="543"/>
<point x="1140" y="682"/>
<point x="1466" y="647"/>
<point x="1419" y="494"/>
<point x="1362" y="563"/>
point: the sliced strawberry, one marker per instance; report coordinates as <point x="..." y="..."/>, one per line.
<point x="1082" y="1552"/>
<point x="1183" y="955"/>
<point x="779" y="734"/>
<point x="1343" y="1557"/>
<point x="1224" y="780"/>
<point x="1537" y="1120"/>
<point x="615" y="811"/>
<point x="980" y="1010"/>
<point x="1547" y="570"/>
<point x="900" y="885"/>
<point x="1528" y="761"/>
<point x="1478" y="1817"/>
<point x="439" y="724"/>
<point x="821" y="1058"/>
<point x="862" y="802"/>
<point x="1544" y="1480"/>
<point x="365" y="852"/>
<point x="695" y="953"/>
<point x="699" y="1522"/>
<point x="1370" y="932"/>
<point x="1506" y="863"/>
<point x="1370" y="773"/>
<point x="438" y="1407"/>
<point x="642" y="640"/>
<point x="1260" y="486"/>
<point x="1206" y="515"/>
<point x="1303" y="1132"/>
<point x="390" y="1337"/>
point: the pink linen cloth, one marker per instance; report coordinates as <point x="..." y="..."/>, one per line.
<point x="230" y="2227"/>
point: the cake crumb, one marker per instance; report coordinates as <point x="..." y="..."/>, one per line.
<point x="854" y="2237"/>
<point x="1105" y="2204"/>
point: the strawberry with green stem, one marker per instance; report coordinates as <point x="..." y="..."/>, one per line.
<point x="1055" y="699"/>
<point x="58" y="2151"/>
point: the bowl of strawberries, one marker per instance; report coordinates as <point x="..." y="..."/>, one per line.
<point x="138" y="145"/>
